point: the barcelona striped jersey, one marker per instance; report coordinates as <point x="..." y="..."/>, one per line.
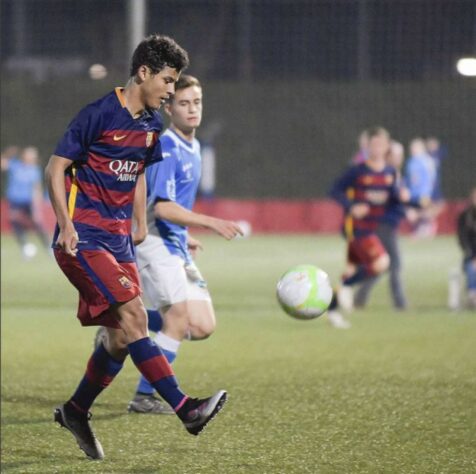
<point x="378" y="189"/>
<point x="176" y="178"/>
<point x="109" y="149"/>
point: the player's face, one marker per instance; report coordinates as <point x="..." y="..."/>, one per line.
<point x="157" y="88"/>
<point x="185" y="109"/>
<point x="379" y="146"/>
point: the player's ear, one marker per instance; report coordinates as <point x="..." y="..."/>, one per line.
<point x="142" y="72"/>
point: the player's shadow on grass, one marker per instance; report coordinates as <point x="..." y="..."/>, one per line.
<point x="36" y="401"/>
<point x="6" y="420"/>
<point x="27" y="399"/>
<point x="26" y="456"/>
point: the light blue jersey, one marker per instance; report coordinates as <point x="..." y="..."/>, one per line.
<point x="420" y="176"/>
<point x="22" y="179"/>
<point x="176" y="179"/>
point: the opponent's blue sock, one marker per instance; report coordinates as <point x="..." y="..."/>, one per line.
<point x="155" y="368"/>
<point x="360" y="275"/>
<point x="155" y="321"/>
<point x="169" y="348"/>
<point x="333" y="304"/>
<point x="100" y="372"/>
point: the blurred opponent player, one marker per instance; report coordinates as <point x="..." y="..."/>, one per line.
<point x="171" y="281"/>
<point x="97" y="187"/>
<point x="25" y="196"/>
<point x="365" y="191"/>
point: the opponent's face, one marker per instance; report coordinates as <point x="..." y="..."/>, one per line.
<point x="157" y="88"/>
<point x="30" y="155"/>
<point x="379" y="146"/>
<point x="185" y="109"/>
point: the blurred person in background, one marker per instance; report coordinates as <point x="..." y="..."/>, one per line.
<point x="363" y="152"/>
<point x="438" y="153"/>
<point x="387" y="231"/>
<point x="24" y="196"/>
<point x="420" y="178"/>
<point x="467" y="242"/>
<point x="365" y="191"/>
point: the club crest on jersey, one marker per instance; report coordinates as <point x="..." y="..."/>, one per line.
<point x="149" y="139"/>
<point x="125" y="282"/>
<point x="124" y="170"/>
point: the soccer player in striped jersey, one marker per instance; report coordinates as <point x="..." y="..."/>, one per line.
<point x="366" y="192"/>
<point x="387" y="231"/>
<point x="97" y="188"/>
<point x="171" y="280"/>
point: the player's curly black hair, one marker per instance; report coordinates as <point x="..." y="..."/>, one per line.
<point x="158" y="51"/>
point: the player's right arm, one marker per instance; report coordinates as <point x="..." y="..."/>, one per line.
<point x="72" y="148"/>
<point x="55" y="181"/>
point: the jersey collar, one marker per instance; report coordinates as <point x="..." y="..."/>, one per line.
<point x="186" y="143"/>
<point x="146" y="114"/>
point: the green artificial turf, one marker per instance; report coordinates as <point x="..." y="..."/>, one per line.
<point x="394" y="394"/>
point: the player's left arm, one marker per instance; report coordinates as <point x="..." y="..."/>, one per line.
<point x="174" y="212"/>
<point x="139" y="211"/>
<point x="401" y="194"/>
<point x="339" y="191"/>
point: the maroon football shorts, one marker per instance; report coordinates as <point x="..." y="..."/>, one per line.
<point x="102" y="281"/>
<point x="365" y="250"/>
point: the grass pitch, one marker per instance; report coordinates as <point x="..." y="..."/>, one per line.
<point x="394" y="394"/>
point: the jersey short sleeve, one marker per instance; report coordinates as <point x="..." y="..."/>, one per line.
<point x="81" y="132"/>
<point x="161" y="176"/>
<point x="154" y="157"/>
<point x="339" y="190"/>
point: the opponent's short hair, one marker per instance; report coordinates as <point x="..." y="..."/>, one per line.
<point x="185" y="81"/>
<point x="157" y="52"/>
<point x="376" y="131"/>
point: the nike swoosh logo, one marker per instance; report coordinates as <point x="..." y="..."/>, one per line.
<point x="116" y="138"/>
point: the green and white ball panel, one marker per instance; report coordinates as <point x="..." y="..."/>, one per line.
<point x="304" y="292"/>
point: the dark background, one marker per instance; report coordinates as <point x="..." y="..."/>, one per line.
<point x="288" y="84"/>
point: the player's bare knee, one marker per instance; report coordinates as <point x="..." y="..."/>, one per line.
<point x="203" y="330"/>
<point x="197" y="334"/>
<point x="381" y="264"/>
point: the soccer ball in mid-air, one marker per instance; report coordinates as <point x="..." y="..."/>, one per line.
<point x="304" y="292"/>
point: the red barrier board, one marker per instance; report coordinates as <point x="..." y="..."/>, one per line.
<point x="274" y="215"/>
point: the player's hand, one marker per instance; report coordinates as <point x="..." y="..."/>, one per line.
<point x="68" y="240"/>
<point x="139" y="235"/>
<point x="194" y="245"/>
<point x="227" y="229"/>
<point x="359" y="210"/>
<point x="404" y="194"/>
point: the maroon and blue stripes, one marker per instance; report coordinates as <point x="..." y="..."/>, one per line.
<point x="100" y="372"/>
<point x="110" y="149"/>
<point x="154" y="366"/>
